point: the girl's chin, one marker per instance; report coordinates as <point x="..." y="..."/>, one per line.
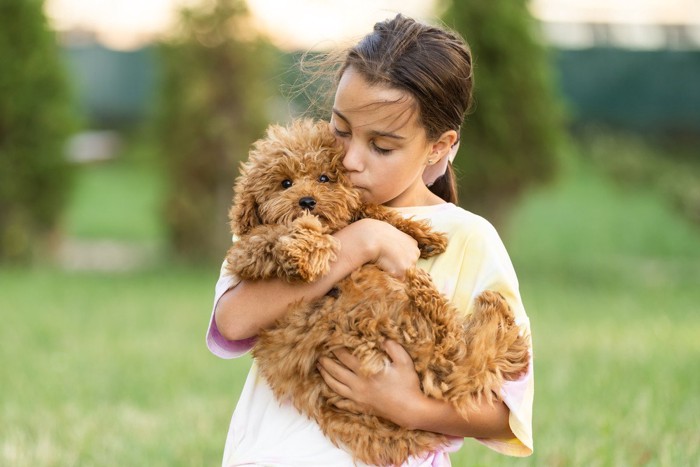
<point x="366" y="196"/>
<point x="362" y="191"/>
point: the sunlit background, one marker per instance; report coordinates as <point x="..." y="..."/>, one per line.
<point x="104" y="310"/>
<point x="312" y="23"/>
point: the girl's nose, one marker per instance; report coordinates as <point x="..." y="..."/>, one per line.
<point x="352" y="161"/>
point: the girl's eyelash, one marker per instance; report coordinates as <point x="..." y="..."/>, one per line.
<point x="380" y="150"/>
<point x="345" y="134"/>
<point x="340" y="133"/>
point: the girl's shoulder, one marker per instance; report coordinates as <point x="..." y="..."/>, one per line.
<point x="450" y="218"/>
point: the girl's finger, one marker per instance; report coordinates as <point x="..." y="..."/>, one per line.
<point x="336" y="370"/>
<point x="397" y="353"/>
<point x="335" y="385"/>
<point x="347" y="359"/>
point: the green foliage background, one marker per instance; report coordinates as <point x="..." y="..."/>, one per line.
<point x="516" y="130"/>
<point x="35" y="119"/>
<point x="212" y="106"/>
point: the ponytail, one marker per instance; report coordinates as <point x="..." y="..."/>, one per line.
<point x="445" y="186"/>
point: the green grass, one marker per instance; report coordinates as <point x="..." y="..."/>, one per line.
<point x="111" y="369"/>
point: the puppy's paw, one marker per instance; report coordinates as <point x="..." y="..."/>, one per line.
<point x="431" y="244"/>
<point x="308" y="222"/>
<point x="493" y="306"/>
<point x="248" y="264"/>
<point x="493" y="334"/>
<point x="306" y="253"/>
<point x="252" y="256"/>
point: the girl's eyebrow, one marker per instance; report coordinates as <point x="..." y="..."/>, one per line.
<point x="373" y="132"/>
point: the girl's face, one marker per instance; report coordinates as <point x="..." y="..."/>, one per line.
<point x="386" y="149"/>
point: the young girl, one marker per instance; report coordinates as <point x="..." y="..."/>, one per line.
<point x="402" y="93"/>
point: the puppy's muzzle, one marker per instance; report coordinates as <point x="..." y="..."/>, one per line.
<point x="308" y="203"/>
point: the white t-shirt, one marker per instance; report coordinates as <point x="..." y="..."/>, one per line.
<point x="264" y="431"/>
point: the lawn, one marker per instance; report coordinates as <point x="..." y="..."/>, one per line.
<point x="111" y="369"/>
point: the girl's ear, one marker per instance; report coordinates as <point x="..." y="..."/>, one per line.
<point x="244" y="212"/>
<point x="442" y="146"/>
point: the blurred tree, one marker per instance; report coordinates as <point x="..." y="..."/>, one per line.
<point x="35" y="119"/>
<point x="512" y="139"/>
<point x="211" y="109"/>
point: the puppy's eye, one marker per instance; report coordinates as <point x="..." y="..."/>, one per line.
<point x="324" y="179"/>
<point x="286" y="183"/>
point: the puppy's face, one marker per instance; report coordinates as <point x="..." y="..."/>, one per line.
<point x="293" y="171"/>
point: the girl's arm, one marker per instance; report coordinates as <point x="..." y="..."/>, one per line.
<point x="405" y="404"/>
<point x="253" y="305"/>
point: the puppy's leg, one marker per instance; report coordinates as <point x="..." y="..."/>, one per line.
<point x="306" y="251"/>
<point x="430" y="243"/>
<point x="496" y="351"/>
<point x="254" y="256"/>
<point x="442" y="326"/>
<point x="492" y="326"/>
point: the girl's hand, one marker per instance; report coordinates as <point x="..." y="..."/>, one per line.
<point x="392" y="250"/>
<point x="388" y="394"/>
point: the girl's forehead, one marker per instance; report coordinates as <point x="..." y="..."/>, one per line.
<point x="363" y="104"/>
<point x="353" y="87"/>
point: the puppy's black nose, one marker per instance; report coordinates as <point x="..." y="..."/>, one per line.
<point x="307" y="202"/>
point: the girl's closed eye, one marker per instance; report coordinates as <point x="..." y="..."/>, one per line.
<point x="380" y="150"/>
<point x="339" y="133"/>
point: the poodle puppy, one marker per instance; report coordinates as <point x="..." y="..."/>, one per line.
<point x="292" y="194"/>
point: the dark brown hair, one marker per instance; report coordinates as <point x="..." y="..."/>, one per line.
<point x="434" y="65"/>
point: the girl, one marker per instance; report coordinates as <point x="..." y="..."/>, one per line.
<point x="402" y="93"/>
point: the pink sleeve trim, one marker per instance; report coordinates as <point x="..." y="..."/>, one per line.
<point x="216" y="343"/>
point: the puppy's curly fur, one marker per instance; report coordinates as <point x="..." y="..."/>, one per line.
<point x="292" y="194"/>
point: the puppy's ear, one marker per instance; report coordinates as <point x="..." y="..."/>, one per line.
<point x="244" y="212"/>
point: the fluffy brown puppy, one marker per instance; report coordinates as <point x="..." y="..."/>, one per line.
<point x="291" y="196"/>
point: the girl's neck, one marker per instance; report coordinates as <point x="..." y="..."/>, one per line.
<point x="431" y="199"/>
<point x="434" y="199"/>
